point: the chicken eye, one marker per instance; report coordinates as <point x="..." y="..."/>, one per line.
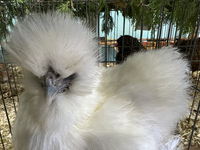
<point x="42" y="81"/>
<point x="64" y="90"/>
<point x="57" y="75"/>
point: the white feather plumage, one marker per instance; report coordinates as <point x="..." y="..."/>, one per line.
<point x="135" y="105"/>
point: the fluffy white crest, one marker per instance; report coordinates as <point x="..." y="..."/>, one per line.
<point x="58" y="41"/>
<point x="55" y="40"/>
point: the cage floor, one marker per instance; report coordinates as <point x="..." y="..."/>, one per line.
<point x="4" y="126"/>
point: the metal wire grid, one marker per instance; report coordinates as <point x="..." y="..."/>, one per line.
<point x="162" y="38"/>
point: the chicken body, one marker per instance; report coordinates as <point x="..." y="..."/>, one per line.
<point x="72" y="104"/>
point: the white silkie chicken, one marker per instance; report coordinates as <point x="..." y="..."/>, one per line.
<point x="70" y="104"/>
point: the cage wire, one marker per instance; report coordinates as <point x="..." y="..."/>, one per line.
<point x="122" y="28"/>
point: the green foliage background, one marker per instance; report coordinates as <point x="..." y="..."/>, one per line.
<point x="152" y="11"/>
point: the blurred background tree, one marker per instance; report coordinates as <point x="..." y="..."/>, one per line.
<point x="153" y="12"/>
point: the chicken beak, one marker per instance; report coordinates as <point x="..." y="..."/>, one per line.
<point x="56" y="85"/>
<point x="50" y="93"/>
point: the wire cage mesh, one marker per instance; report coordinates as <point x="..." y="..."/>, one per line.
<point x="122" y="28"/>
